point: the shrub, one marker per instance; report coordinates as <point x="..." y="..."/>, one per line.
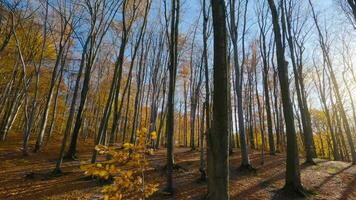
<point x="126" y="168"/>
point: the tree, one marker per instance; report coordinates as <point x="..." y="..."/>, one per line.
<point x="207" y="89"/>
<point x="173" y="62"/>
<point x="218" y="169"/>
<point x="320" y="85"/>
<point x="98" y="28"/>
<point x="116" y="81"/>
<point x="293" y="183"/>
<point x="265" y="55"/>
<point x="245" y="163"/>
<point x="195" y="86"/>
<point x="352" y="4"/>
<point x="299" y="81"/>
<point x="64" y="39"/>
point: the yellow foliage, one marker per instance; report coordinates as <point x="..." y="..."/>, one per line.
<point x="153" y="135"/>
<point x="126" y="169"/>
<point x="128" y="146"/>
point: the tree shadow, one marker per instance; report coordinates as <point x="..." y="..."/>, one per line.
<point x="351" y="188"/>
<point x="268" y="183"/>
<point x="264" y="184"/>
<point x="283" y="195"/>
<point x="329" y="178"/>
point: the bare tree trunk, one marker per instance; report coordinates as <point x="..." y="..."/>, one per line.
<point x="44" y="119"/>
<point x="293" y="182"/>
<point x="57" y="169"/>
<point x="127" y="111"/>
<point x="245" y="163"/>
<point x="173" y="57"/>
<point x="185" y="93"/>
<point x="261" y="119"/>
<point x="163" y="114"/>
<point x="250" y="108"/>
<point x="219" y="135"/>
<point x="100" y="25"/>
<point x="302" y="103"/>
<point x="202" y="153"/>
<point x="320" y="85"/>
<point x="55" y="106"/>
<point x="207" y="90"/>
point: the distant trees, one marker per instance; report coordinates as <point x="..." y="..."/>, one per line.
<point x="335" y="86"/>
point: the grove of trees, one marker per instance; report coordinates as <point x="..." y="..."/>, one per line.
<point x="237" y="76"/>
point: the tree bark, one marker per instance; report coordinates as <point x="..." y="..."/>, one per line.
<point x="218" y="182"/>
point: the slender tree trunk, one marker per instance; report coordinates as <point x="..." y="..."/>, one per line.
<point x="163" y="115"/>
<point x="322" y="96"/>
<point x="173" y="52"/>
<point x="293" y="181"/>
<point x="302" y="103"/>
<point x="245" y="163"/>
<point x="207" y="90"/>
<point x="71" y="112"/>
<point x="202" y="153"/>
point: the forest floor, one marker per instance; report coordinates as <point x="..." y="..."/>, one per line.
<point x="27" y="177"/>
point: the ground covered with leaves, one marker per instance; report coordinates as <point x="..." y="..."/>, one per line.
<point x="30" y="177"/>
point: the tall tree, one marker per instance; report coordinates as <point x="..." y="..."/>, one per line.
<point x="218" y="172"/>
<point x="99" y="26"/>
<point x="173" y="63"/>
<point x="297" y="65"/>
<point x="293" y="183"/>
<point x="265" y="55"/>
<point x="64" y="38"/>
<point x="245" y="163"/>
<point x="207" y="89"/>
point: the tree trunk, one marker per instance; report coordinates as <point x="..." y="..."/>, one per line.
<point x="293" y="182"/>
<point x="219" y="135"/>
<point x="173" y="52"/>
<point x="245" y="163"/>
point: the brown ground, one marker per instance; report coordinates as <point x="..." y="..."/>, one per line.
<point x="27" y="177"/>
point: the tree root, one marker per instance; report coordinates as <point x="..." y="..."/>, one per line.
<point x="247" y="169"/>
<point x="203" y="177"/>
<point x="57" y="172"/>
<point x="71" y="157"/>
<point x="168" y="191"/>
<point x="309" y="163"/>
<point x="294" y="191"/>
